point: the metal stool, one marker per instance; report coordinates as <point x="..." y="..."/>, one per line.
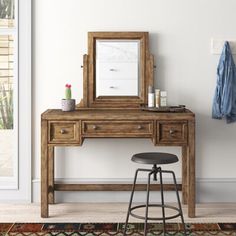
<point x="154" y="158"/>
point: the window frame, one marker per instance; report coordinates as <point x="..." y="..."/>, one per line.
<point x="24" y="115"/>
<point x="13" y="181"/>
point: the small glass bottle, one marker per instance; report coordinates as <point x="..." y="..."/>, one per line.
<point x="157" y="97"/>
<point x="163" y="99"/>
<point x="151" y="96"/>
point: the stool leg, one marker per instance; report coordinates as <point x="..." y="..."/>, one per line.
<point x="162" y="204"/>
<point x="131" y="199"/>
<point x="147" y="203"/>
<point x="178" y="199"/>
<point x="180" y="208"/>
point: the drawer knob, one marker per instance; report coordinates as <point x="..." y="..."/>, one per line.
<point x="95" y="127"/>
<point x="172" y="131"/>
<point x="112" y="69"/>
<point x="140" y="127"/>
<point x="63" y="131"/>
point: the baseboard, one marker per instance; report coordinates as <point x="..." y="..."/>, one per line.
<point x="207" y="190"/>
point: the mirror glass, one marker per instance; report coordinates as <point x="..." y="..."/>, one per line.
<point x="117" y="67"/>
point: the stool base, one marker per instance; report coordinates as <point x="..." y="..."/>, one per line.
<point x="155" y="218"/>
<point x="154" y="171"/>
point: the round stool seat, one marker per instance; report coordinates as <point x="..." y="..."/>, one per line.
<point x="154" y="158"/>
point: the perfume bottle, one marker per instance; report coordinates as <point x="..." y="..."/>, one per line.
<point x="157" y="97"/>
<point x="151" y="96"/>
<point x="163" y="99"/>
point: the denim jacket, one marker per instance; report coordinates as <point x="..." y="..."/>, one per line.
<point x="224" y="103"/>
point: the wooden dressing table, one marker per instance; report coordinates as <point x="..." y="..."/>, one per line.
<point x="96" y="117"/>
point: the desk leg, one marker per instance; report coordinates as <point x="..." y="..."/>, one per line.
<point x="191" y="170"/>
<point x="44" y="170"/>
<point x="51" y="174"/>
<point x="184" y="174"/>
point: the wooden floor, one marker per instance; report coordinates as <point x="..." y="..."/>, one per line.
<point x="106" y="212"/>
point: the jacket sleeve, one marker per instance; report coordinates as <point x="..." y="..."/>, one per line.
<point x="227" y="93"/>
<point x="216" y="108"/>
<point x="222" y="103"/>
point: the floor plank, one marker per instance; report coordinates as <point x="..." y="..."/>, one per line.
<point x="107" y="212"/>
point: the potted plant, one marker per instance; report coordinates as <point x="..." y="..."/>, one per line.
<point x="68" y="104"/>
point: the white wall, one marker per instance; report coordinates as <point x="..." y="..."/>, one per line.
<point x="180" y="34"/>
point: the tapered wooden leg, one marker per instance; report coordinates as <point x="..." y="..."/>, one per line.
<point x="191" y="170"/>
<point x="51" y="199"/>
<point x="184" y="175"/>
<point x="44" y="170"/>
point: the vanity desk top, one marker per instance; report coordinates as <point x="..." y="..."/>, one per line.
<point x="85" y="113"/>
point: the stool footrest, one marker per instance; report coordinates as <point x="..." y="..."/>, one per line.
<point x="155" y="218"/>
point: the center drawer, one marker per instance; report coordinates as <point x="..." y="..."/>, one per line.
<point x="117" y="128"/>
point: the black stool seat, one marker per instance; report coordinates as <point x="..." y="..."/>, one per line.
<point x="154" y="158"/>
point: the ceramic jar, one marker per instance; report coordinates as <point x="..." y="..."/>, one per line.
<point x="68" y="104"/>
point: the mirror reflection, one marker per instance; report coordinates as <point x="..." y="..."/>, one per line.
<point x="117" y="67"/>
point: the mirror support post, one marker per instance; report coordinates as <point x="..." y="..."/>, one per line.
<point x="149" y="73"/>
<point x="85" y="100"/>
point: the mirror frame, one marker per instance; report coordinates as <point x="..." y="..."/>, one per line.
<point x="89" y="72"/>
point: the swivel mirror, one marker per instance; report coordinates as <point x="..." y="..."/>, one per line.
<point x="117" y="69"/>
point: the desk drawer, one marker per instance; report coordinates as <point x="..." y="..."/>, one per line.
<point x="63" y="132"/>
<point x="117" y="128"/>
<point x="172" y="132"/>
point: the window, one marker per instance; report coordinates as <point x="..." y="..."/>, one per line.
<point x="7" y="13"/>
<point x="8" y="94"/>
